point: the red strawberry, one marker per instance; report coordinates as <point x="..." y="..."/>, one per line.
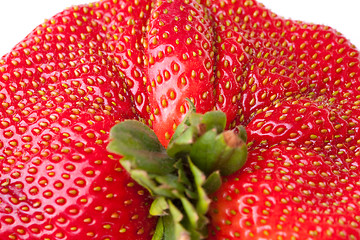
<point x="128" y="48"/>
<point x="61" y="91"/>
<point x="284" y="192"/>
<point x="232" y="61"/>
<point x="299" y="98"/>
<point x="302" y="122"/>
<point x="315" y="152"/>
<point x="300" y="181"/>
<point x="179" y="59"/>
<point x="281" y="58"/>
<point x="295" y="85"/>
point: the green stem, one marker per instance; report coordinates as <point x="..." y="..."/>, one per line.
<point x="181" y="177"/>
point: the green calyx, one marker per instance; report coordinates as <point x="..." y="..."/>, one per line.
<point x="202" y="137"/>
<point x="181" y="177"/>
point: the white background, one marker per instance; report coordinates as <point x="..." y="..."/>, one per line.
<point x="19" y="17"/>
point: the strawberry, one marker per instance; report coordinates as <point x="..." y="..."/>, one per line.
<point x="179" y="63"/>
<point x="284" y="192"/>
<point x="95" y="74"/>
<point x="276" y="58"/>
<point x="302" y="167"/>
<point x="232" y="60"/>
<point x="299" y="99"/>
<point x="128" y="49"/>
<point x="302" y="122"/>
<point x="62" y="89"/>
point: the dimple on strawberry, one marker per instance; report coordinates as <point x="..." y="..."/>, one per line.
<point x="293" y="85"/>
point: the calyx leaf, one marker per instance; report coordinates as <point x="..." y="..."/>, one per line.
<point x="138" y="144"/>
<point x="181" y="177"/>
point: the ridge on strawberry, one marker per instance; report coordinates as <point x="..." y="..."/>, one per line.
<point x="179" y="62"/>
<point x="128" y="49"/>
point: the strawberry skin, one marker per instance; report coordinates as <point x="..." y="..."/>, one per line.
<point x="299" y="90"/>
<point x="278" y="58"/>
<point x="70" y="189"/>
<point x="179" y="60"/>
<point x="301" y="122"/>
<point x="295" y="85"/>
<point x="232" y="61"/>
<point x="284" y="192"/>
<point x="61" y="91"/>
<point x="129" y="50"/>
<point x="301" y="178"/>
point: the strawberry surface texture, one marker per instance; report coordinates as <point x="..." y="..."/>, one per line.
<point x="294" y="86"/>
